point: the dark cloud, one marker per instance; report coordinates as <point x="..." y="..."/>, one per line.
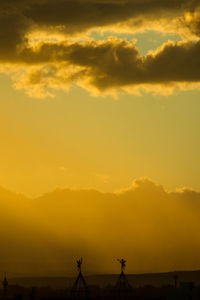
<point x="79" y="15"/>
<point x="111" y="64"/>
<point x="13" y="28"/>
<point x="82" y="15"/>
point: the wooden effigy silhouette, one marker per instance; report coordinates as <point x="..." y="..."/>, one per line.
<point x="122" y="289"/>
<point x="80" y="289"/>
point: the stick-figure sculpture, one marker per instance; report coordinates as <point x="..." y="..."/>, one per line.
<point x="79" y="264"/>
<point x="123" y="264"/>
<point x="122" y="290"/>
<point x="79" y="289"/>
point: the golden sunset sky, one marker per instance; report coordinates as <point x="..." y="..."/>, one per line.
<point x="100" y="94"/>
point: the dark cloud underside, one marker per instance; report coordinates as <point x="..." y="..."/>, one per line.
<point x="115" y="63"/>
<point x="111" y="64"/>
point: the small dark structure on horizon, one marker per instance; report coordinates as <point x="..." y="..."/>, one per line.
<point x="175" y="281"/>
<point x="122" y="289"/>
<point x="5" y="286"/>
<point x="80" y="289"/>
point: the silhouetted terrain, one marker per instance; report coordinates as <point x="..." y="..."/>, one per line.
<point x="136" y="280"/>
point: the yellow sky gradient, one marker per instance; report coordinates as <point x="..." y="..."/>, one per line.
<point x="155" y="230"/>
<point x="76" y="140"/>
<point x="97" y="96"/>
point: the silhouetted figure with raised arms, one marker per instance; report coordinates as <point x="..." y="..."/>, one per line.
<point x="123" y="290"/>
<point x="123" y="264"/>
<point x="79" y="263"/>
<point x="80" y="288"/>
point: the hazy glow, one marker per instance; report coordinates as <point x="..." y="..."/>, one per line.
<point x="145" y="223"/>
<point x="94" y="105"/>
<point x="77" y="141"/>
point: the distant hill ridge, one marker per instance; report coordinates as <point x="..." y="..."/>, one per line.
<point x="136" y="280"/>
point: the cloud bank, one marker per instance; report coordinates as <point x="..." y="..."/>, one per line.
<point x="154" y="229"/>
<point x="39" y="52"/>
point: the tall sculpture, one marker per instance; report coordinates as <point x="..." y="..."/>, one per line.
<point x="80" y="288"/>
<point x="123" y="290"/>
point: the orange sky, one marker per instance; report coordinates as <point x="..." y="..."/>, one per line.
<point x="94" y="95"/>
